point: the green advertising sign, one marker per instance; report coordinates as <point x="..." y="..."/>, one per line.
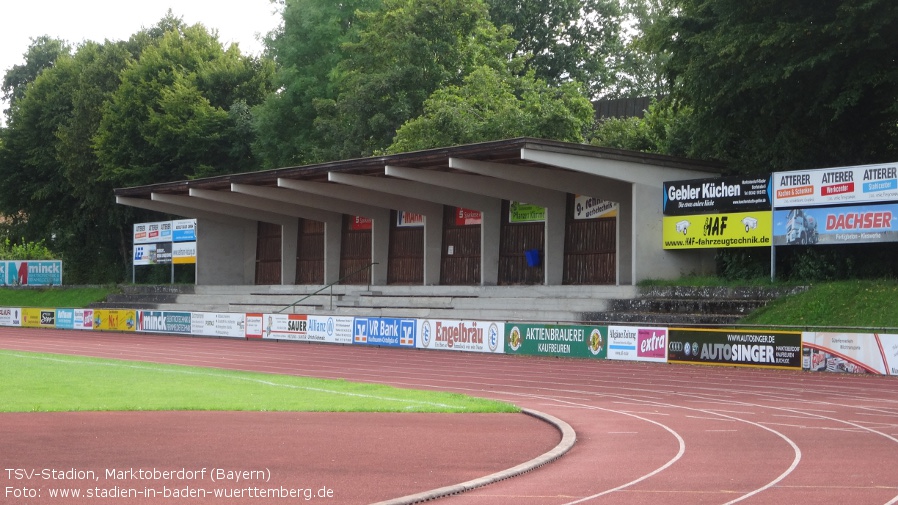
<point x="525" y="213"/>
<point x="557" y="340"/>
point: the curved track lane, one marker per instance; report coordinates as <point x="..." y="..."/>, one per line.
<point x="646" y="433"/>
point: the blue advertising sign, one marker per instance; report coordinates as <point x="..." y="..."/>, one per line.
<point x="31" y="273"/>
<point x="184" y="230"/>
<point x="164" y="322"/>
<point x="836" y="225"/>
<point x="65" y="319"/>
<point x="386" y="331"/>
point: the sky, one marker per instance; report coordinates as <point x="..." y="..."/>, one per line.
<point x="240" y="21"/>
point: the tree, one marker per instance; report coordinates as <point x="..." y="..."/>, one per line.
<point x="306" y="48"/>
<point x="170" y="118"/>
<point x="788" y="84"/>
<point x="41" y="54"/>
<point x="402" y="54"/>
<point x="566" y="40"/>
<point x="493" y="106"/>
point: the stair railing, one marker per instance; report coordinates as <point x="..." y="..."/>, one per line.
<point x="331" y="286"/>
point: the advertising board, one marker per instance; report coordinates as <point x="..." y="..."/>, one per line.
<point x="519" y="212"/>
<point x="741" y="229"/>
<point x="183" y="230"/>
<point x="572" y="341"/>
<point x="409" y="220"/>
<point x="836" y="225"/>
<point x="38" y="318"/>
<point x="718" y="195"/>
<point x="358" y="223"/>
<point x="115" y="319"/>
<point x="458" y="335"/>
<point x="385" y="331"/>
<point x="775" y="349"/>
<point x="151" y="233"/>
<point x="845" y="353"/>
<point x="10" y="316"/>
<point x="31" y="273"/>
<point x="183" y="253"/>
<point x="153" y="254"/>
<point x="633" y="343"/>
<point x="218" y="324"/>
<point x="84" y="319"/>
<point x="836" y="186"/>
<point x="330" y="329"/>
<point x="587" y="207"/>
<point x="65" y="319"/>
<point x="285" y="327"/>
<point x="467" y="217"/>
<point x="164" y="322"/>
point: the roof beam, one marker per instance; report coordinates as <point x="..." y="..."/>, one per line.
<point x="412" y="186"/>
<point x="221" y="208"/>
<point x="486" y="186"/>
<point x="259" y="203"/>
<point x="314" y="194"/>
<point x="176" y="210"/>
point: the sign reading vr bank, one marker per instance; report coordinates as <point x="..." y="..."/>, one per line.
<point x="732" y="347"/>
<point x="31" y="273"/>
<point x="557" y="340"/>
<point x="741" y="229"/>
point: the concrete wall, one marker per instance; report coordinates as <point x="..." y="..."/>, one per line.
<point x="226" y="252"/>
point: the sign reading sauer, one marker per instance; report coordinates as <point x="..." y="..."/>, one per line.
<point x="777" y="349"/>
<point x="557" y="340"/>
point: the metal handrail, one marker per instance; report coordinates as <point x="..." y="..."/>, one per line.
<point x="331" y="286"/>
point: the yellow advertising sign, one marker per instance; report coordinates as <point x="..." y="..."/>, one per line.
<point x="38" y="318"/>
<point x="706" y="231"/>
<point x="115" y="319"/>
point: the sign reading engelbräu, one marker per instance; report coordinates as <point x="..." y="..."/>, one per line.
<point x="557" y="340"/>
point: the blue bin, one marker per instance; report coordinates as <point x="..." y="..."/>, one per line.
<point x="533" y="259"/>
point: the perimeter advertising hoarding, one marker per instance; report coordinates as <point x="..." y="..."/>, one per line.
<point x="631" y="343"/>
<point x="74" y="319"/>
<point x="164" y="322"/>
<point x="302" y="327"/>
<point x="457" y="335"/>
<point x="115" y="319"/>
<point x="218" y="324"/>
<point x="779" y="349"/>
<point x="556" y="340"/>
<point x="836" y="186"/>
<point x="38" y="318"/>
<point x="10" y="316"/>
<point x="851" y="353"/>
<point x="385" y="331"/>
<point x="741" y="229"/>
<point x="836" y="225"/>
<point x="722" y="194"/>
<point x="31" y="273"/>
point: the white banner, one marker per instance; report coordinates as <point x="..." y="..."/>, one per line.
<point x="457" y="335"/>
<point x="218" y="324"/>
<point x="10" y="316"/>
<point x="631" y="343"/>
<point x="835" y="186"/>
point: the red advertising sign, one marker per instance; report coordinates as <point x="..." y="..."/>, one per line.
<point x="467" y="217"/>
<point x="360" y="223"/>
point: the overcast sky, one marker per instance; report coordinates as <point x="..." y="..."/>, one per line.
<point x="239" y="21"/>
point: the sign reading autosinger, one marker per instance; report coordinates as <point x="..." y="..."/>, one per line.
<point x="733" y="347"/>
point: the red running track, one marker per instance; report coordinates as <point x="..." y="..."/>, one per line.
<point x="646" y="433"/>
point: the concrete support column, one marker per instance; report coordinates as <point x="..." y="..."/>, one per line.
<point x="490" y="231"/>
<point x="553" y="261"/>
<point x="433" y="246"/>
<point x="226" y="252"/>
<point x="380" y="246"/>
<point x="333" y="239"/>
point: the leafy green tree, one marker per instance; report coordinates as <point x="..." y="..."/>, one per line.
<point x="493" y="106"/>
<point x="664" y="129"/>
<point x="170" y="117"/>
<point x="41" y="54"/>
<point x="565" y="40"/>
<point x="402" y="54"/>
<point x="306" y="48"/>
<point x="786" y="84"/>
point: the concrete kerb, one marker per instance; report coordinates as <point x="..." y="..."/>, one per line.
<point x="568" y="439"/>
